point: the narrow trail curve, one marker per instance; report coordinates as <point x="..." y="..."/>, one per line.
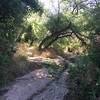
<point x="55" y="91"/>
<point x="39" y="85"/>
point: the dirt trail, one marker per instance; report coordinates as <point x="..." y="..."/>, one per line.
<point x="42" y="87"/>
<point x="39" y="84"/>
<point x="55" y="91"/>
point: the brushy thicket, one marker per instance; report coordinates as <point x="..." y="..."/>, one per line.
<point x="95" y="57"/>
<point x="85" y="74"/>
<point x="95" y="50"/>
<point x="10" y="19"/>
<point x="12" y="13"/>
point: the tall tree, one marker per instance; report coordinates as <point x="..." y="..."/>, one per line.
<point x="68" y="27"/>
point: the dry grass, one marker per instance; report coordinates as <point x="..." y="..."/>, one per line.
<point x="48" y="53"/>
<point x="22" y="49"/>
<point x="21" y="65"/>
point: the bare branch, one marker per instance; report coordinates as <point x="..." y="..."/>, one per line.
<point x="76" y="6"/>
<point x="66" y="35"/>
<point x="81" y="39"/>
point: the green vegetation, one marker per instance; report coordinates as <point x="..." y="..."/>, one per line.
<point x="72" y="29"/>
<point x="53" y="68"/>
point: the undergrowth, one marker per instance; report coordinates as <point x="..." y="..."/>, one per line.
<point x="52" y="67"/>
<point x="84" y="80"/>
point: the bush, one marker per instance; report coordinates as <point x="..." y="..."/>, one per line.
<point x="94" y="51"/>
<point x="78" y="84"/>
<point x="85" y="74"/>
<point x="94" y="54"/>
<point x="10" y="20"/>
<point x="83" y="80"/>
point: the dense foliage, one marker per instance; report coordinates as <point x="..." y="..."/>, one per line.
<point x="11" y="23"/>
<point x="12" y="13"/>
<point x="72" y="24"/>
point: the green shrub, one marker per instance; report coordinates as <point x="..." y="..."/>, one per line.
<point x="94" y="51"/>
<point x="84" y="84"/>
<point x="78" y="86"/>
<point x="53" y="68"/>
<point x="94" y="54"/>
